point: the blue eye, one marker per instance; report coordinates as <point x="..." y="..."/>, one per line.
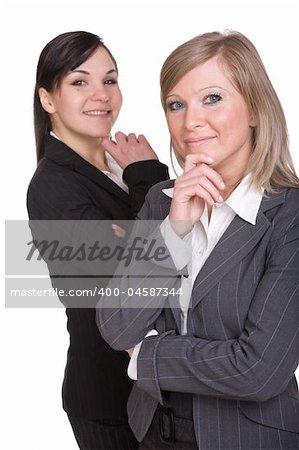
<point x="211" y="99"/>
<point x="175" y="106"/>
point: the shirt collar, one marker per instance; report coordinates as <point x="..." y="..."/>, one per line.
<point x="245" y="200"/>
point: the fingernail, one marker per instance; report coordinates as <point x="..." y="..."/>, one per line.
<point x="220" y="199"/>
<point x="222" y="185"/>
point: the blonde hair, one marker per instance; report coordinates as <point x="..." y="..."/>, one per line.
<point x="271" y="161"/>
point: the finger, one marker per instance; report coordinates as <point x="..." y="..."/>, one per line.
<point x="183" y="196"/>
<point x="202" y="181"/>
<point x="199" y="187"/>
<point x="193" y="159"/>
<point x="149" y="152"/>
<point x="204" y="194"/>
<point x="118" y="231"/>
<point x="109" y="146"/>
<point x="142" y="139"/>
<point x="202" y="170"/>
<point x="121" y="137"/>
<point x="212" y="195"/>
<point x="132" y="139"/>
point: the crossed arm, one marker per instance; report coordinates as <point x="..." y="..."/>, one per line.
<point x="256" y="365"/>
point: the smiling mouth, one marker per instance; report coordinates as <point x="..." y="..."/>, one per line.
<point x="97" y="112"/>
<point x="199" y="141"/>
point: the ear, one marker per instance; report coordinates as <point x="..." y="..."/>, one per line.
<point x="46" y="100"/>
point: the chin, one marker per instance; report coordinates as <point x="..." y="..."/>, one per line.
<point x="100" y="136"/>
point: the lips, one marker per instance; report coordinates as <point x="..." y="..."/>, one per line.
<point x="199" y="140"/>
<point x="97" y="112"/>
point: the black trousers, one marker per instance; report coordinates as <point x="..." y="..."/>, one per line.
<point x="172" y="426"/>
<point x="97" y="435"/>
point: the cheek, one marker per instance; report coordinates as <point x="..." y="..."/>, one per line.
<point x="68" y="103"/>
<point x="176" y="138"/>
<point x="117" y="99"/>
<point x="173" y="126"/>
<point x="225" y="119"/>
<point x="232" y="122"/>
<point x="120" y="102"/>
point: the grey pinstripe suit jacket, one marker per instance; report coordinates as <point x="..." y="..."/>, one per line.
<point x="241" y="351"/>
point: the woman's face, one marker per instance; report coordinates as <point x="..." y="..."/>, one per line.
<point x="88" y="100"/>
<point x="205" y="113"/>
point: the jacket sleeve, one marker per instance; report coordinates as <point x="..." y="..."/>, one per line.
<point x="138" y="292"/>
<point x="140" y="177"/>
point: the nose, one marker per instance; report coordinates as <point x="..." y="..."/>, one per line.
<point x="194" y="117"/>
<point x="100" y="93"/>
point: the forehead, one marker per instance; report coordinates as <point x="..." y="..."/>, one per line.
<point x="208" y="74"/>
<point x="100" y="59"/>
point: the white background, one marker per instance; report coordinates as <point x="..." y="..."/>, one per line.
<point x="140" y="35"/>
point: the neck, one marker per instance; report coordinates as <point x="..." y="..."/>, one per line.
<point x="91" y="150"/>
<point x="95" y="156"/>
<point x="232" y="176"/>
<point x="230" y="185"/>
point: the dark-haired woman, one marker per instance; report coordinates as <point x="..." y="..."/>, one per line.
<point x="76" y="102"/>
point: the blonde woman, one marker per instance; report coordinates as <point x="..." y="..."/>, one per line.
<point x="218" y="370"/>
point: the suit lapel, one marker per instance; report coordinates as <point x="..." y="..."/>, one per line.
<point x="101" y="179"/>
<point x="237" y="241"/>
<point x="162" y="211"/>
<point x="63" y="155"/>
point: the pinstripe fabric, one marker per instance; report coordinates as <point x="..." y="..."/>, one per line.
<point x="94" y="435"/>
<point x="239" y="357"/>
<point x="184" y="435"/>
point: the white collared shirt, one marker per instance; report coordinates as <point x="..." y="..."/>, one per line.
<point x="116" y="172"/>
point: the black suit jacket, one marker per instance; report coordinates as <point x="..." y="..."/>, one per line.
<point x="66" y="187"/>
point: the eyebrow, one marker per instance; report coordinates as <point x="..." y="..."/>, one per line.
<point x="199" y="90"/>
<point x="85" y="72"/>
